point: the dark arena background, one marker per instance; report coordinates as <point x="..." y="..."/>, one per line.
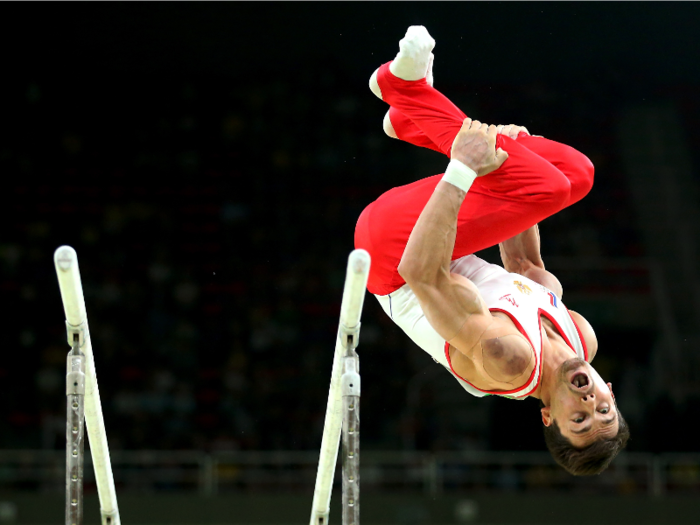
<point x="208" y="162"/>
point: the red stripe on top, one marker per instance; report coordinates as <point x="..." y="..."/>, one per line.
<point x="505" y="392"/>
<point x="562" y="333"/>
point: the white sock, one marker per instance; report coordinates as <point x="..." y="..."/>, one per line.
<point x="413" y="59"/>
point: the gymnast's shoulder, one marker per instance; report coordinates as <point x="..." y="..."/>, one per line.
<point x="587" y="333"/>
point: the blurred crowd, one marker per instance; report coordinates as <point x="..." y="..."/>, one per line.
<point x="212" y="221"/>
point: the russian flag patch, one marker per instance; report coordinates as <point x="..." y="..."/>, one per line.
<point x="553" y="300"/>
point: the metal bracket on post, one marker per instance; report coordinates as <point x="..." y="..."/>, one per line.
<point x="72" y="331"/>
<point x="349" y="337"/>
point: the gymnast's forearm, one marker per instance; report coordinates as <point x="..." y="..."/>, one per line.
<point x="521" y="255"/>
<point x="428" y="252"/>
<point x="522" y="252"/>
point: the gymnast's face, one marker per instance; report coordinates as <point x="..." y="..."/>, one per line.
<point x="583" y="405"/>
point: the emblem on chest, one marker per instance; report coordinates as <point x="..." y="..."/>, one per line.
<point x="522" y="288"/>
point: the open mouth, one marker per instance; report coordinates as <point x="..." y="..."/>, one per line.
<point x="580" y="380"/>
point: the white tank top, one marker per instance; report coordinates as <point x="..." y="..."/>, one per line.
<point x="522" y="299"/>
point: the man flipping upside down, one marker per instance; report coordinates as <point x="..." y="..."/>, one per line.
<point x="499" y="331"/>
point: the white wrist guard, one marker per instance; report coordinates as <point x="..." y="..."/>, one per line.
<point x="459" y="175"/>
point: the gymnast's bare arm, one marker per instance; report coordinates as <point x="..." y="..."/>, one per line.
<point x="451" y="303"/>
<point x="521" y="254"/>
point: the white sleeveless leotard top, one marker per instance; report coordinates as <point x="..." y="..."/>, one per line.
<point x="522" y="299"/>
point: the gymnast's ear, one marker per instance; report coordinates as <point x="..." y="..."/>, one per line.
<point x="546" y="416"/>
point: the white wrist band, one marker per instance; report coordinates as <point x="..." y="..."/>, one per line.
<point x="459" y="175"/>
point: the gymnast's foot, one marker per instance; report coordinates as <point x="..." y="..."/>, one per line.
<point x="414" y="60"/>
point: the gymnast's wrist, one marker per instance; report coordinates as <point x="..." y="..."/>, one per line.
<point x="459" y="174"/>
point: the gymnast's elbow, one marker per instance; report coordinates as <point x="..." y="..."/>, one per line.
<point x="416" y="274"/>
<point x="406" y="269"/>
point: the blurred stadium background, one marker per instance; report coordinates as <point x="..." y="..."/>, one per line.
<point x="208" y="162"/>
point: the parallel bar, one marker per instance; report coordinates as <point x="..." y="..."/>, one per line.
<point x="354" y="289"/>
<point x="348" y="335"/>
<point x="68" y="272"/>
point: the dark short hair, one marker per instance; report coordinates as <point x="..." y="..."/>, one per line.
<point x="591" y="459"/>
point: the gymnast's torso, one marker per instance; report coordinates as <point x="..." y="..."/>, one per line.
<point x="534" y="310"/>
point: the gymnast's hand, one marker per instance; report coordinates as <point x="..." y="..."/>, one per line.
<point x="511" y="130"/>
<point x="475" y="147"/>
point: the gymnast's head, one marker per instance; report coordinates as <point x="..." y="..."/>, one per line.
<point x="583" y="428"/>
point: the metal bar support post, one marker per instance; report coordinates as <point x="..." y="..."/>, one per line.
<point x="75" y="430"/>
<point x="350" y="388"/>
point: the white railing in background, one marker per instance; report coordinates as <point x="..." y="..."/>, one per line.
<point x="292" y="471"/>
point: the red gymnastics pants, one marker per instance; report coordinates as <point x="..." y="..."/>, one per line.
<point x="539" y="178"/>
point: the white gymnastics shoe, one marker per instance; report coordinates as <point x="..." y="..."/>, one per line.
<point x="415" y="50"/>
<point x="414" y="60"/>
